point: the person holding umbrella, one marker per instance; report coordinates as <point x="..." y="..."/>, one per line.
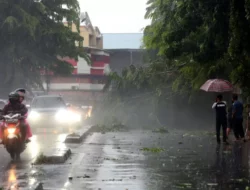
<point x="220" y="107"/>
<point x="219" y="86"/>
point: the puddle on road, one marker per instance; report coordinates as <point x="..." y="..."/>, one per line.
<point x="16" y="179"/>
<point x="221" y="167"/>
<point x="119" y="173"/>
<point x="193" y="164"/>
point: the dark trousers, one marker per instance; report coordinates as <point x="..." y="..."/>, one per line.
<point x="221" y="123"/>
<point x="238" y="128"/>
<point x="23" y="130"/>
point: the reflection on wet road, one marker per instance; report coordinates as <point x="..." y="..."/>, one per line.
<point x="130" y="161"/>
<point x="16" y="174"/>
<point x="116" y="161"/>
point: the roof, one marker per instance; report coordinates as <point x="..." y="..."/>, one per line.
<point x="110" y="51"/>
<point x="122" y="40"/>
<point x="94" y="48"/>
<point x="49" y="96"/>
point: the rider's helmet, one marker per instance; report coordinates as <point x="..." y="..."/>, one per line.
<point x="14" y="97"/>
<point x="21" y="92"/>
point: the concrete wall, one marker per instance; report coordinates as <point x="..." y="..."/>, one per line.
<point x="75" y="86"/>
<point x="85" y="34"/>
<point x="120" y="59"/>
<point x="90" y="38"/>
<point x="82" y="66"/>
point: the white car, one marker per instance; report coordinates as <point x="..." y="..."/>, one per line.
<point x="50" y="111"/>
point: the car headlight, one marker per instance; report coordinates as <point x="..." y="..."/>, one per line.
<point x="74" y="117"/>
<point x="34" y="115"/>
<point x="62" y="115"/>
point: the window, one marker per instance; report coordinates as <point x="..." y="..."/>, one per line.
<point x="48" y="102"/>
<point x="97" y="57"/>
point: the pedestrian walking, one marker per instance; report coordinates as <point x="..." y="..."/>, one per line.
<point x="221" y="118"/>
<point x="229" y="119"/>
<point x="237" y="116"/>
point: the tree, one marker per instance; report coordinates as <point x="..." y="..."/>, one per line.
<point x="209" y="37"/>
<point x="195" y="40"/>
<point x="137" y="94"/>
<point x="32" y="38"/>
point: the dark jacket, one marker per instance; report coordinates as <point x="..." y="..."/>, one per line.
<point x="221" y="111"/>
<point x="230" y="116"/>
<point x="15" y="108"/>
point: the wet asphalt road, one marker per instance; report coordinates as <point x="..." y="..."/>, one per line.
<point x="10" y="171"/>
<point x="140" y="160"/>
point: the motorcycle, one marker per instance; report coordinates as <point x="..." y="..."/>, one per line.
<point x="12" y="136"/>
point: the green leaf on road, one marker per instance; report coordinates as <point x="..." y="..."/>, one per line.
<point x="241" y="180"/>
<point x="160" y="130"/>
<point x="184" y="185"/>
<point x="42" y="159"/>
<point x="154" y="150"/>
<point x="212" y="184"/>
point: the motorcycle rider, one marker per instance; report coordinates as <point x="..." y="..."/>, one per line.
<point x="22" y="92"/>
<point x="14" y="105"/>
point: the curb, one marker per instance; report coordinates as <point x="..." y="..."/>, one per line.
<point x="36" y="186"/>
<point x="60" y="157"/>
<point x="54" y="156"/>
<point x="79" y="135"/>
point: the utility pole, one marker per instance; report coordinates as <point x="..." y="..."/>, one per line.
<point x="47" y="80"/>
<point x="131" y="57"/>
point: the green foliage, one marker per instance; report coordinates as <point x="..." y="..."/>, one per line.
<point x="136" y="94"/>
<point x="194" y="41"/>
<point x="160" y="130"/>
<point x="114" y="126"/>
<point x="136" y="81"/>
<point x="42" y="159"/>
<point x="33" y="36"/>
<point x="209" y="37"/>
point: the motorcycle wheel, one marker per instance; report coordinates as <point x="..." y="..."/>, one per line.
<point x="12" y="148"/>
<point x="12" y="155"/>
<point x="18" y="157"/>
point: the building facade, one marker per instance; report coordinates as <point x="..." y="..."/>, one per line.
<point x="125" y="49"/>
<point x="87" y="81"/>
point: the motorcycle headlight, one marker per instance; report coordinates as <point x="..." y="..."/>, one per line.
<point x="62" y="115"/>
<point x="11" y="130"/>
<point x="34" y="115"/>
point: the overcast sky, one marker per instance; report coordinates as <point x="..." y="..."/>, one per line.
<point x="116" y="16"/>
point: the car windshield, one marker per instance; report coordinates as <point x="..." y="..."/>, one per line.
<point x="2" y="104"/>
<point x="48" y="102"/>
